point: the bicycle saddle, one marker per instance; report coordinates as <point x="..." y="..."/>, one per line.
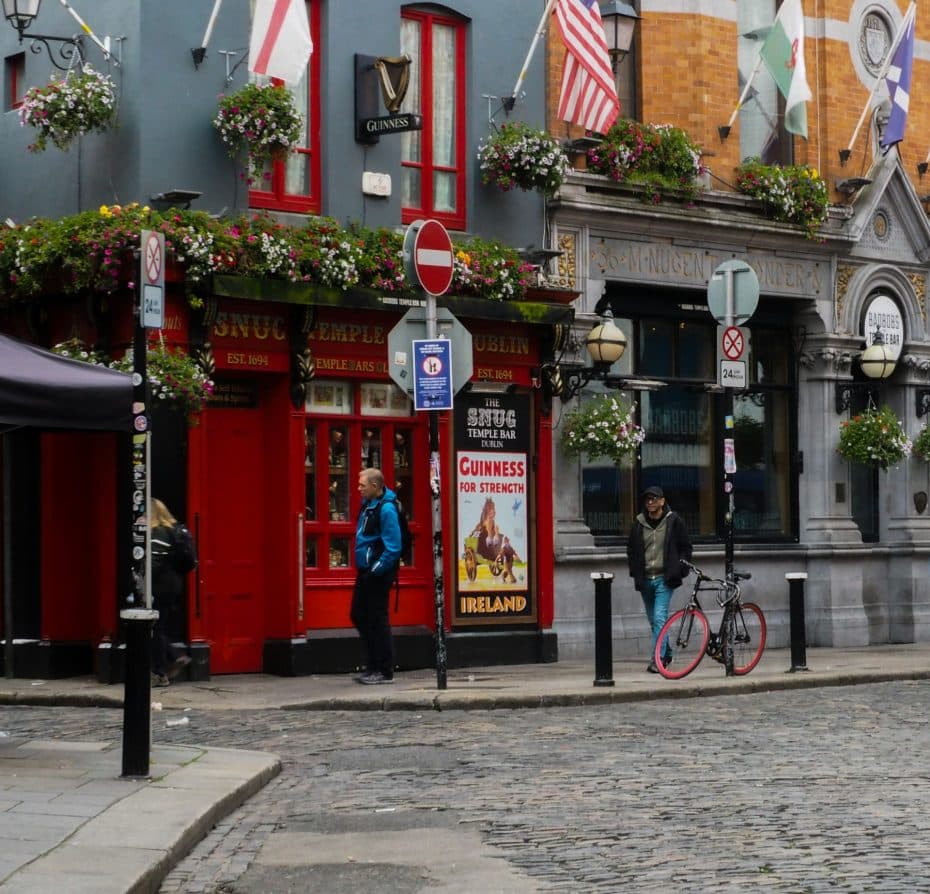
<point x="742" y="575"/>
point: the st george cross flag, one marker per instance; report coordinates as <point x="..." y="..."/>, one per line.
<point x="783" y="54"/>
<point x="589" y="94"/>
<point x="898" y="80"/>
<point x="280" y="45"/>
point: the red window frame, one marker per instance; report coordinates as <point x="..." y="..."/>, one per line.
<point x="16" y="79"/>
<point x="454" y="220"/>
<point x="275" y="198"/>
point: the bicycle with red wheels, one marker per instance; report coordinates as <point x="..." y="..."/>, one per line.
<point x="686" y="636"/>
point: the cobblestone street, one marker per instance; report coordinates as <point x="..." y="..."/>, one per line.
<point x="808" y="790"/>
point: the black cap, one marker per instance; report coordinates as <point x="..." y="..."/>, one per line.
<point x="654" y="490"/>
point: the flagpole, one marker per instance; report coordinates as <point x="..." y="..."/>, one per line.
<point x="742" y="96"/>
<point x="86" y="29"/>
<point x="511" y="100"/>
<point x="200" y="53"/>
<point x="911" y="10"/>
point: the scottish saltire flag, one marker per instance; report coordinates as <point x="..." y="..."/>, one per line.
<point x="589" y="94"/>
<point x="280" y="44"/>
<point x="898" y="80"/>
<point x="783" y="54"/>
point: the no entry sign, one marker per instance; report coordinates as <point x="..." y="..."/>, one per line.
<point x="431" y="256"/>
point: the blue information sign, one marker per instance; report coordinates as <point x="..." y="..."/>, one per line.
<point x="432" y="374"/>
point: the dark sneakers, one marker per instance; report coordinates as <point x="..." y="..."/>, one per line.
<point x="651" y="667"/>
<point x="374" y="679"/>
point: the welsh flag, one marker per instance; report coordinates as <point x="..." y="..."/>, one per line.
<point x="783" y="54"/>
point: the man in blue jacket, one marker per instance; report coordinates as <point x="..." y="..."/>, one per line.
<point x="377" y="555"/>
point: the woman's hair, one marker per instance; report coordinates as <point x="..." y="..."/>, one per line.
<point x="161" y="517"/>
<point x="486" y="511"/>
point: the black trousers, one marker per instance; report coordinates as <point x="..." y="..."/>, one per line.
<point x="370" y="616"/>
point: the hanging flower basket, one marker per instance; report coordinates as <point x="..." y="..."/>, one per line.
<point x="263" y="120"/>
<point x="922" y="444"/>
<point x="64" y="110"/>
<point x="794" y="193"/>
<point x="520" y="157"/>
<point x="874" y="437"/>
<point x="602" y="427"/>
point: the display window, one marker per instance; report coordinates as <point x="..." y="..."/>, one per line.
<point x="350" y="427"/>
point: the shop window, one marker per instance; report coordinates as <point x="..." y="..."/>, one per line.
<point x="14" y="77"/>
<point x="762" y="131"/>
<point x="433" y="159"/>
<point x="293" y="182"/>
<point x="350" y="427"/>
<point x="683" y="450"/>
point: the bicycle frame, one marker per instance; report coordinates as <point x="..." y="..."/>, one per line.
<point x="735" y="629"/>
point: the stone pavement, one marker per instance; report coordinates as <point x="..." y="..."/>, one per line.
<point x="68" y="822"/>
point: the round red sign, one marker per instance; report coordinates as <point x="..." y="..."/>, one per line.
<point x="432" y="257"/>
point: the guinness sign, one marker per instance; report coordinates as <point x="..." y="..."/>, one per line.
<point x="392" y="75"/>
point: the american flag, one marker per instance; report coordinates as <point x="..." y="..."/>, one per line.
<point x="589" y="94"/>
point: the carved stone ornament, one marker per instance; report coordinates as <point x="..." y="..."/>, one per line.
<point x="567" y="264"/>
<point x="838" y="360"/>
<point x="843" y="275"/>
<point x="919" y="284"/>
<point x="303" y="369"/>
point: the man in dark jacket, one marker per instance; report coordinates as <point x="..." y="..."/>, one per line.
<point x="657" y="544"/>
<point x="377" y="555"/>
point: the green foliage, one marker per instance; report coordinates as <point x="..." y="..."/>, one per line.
<point x="61" y="111"/>
<point x="602" y="427"/>
<point x="93" y="251"/>
<point x="263" y="120"/>
<point x="659" y="157"/>
<point x="793" y="194"/>
<point x="874" y="437"/>
<point x="519" y="156"/>
<point x="174" y="377"/>
<point x="922" y="444"/>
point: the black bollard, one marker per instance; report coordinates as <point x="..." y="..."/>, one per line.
<point x="603" y="629"/>
<point x="137" y="716"/>
<point x="796" y="615"/>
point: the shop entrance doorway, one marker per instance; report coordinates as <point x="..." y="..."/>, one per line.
<point x="233" y="554"/>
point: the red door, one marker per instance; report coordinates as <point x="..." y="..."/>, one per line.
<point x="233" y="554"/>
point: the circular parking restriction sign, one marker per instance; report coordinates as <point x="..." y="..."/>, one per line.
<point x="432" y="258"/>
<point x="153" y="259"/>
<point x="733" y="343"/>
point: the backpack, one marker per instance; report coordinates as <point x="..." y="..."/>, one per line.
<point x="406" y="541"/>
<point x="183" y="550"/>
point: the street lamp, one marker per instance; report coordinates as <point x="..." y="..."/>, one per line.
<point x="877" y="361"/>
<point x="605" y="345"/>
<point x="619" y="20"/>
<point x="22" y="13"/>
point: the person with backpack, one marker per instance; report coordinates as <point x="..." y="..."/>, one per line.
<point x="657" y="543"/>
<point x="173" y="557"/>
<point x="378" y="546"/>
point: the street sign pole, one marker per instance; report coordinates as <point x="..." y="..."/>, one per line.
<point x="727" y="480"/>
<point x="731" y="306"/>
<point x="137" y="615"/>
<point x="428" y="263"/>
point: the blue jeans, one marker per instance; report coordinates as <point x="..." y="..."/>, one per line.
<point x="656" y="597"/>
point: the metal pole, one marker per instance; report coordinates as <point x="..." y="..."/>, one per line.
<point x="138" y="619"/>
<point x="7" y="560"/>
<point x="432" y="332"/>
<point x="727" y="481"/>
<point x="603" y="632"/>
<point x="796" y="615"/>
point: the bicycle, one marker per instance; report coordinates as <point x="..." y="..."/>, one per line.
<point x="739" y="642"/>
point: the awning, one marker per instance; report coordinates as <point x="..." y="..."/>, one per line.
<point x="43" y="390"/>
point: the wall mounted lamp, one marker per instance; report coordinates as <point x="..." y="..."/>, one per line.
<point x="619" y="21"/>
<point x="605" y="345"/>
<point x="877" y="361"/>
<point x="22" y="13"/>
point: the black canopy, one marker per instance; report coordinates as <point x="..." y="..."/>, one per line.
<point x="43" y="390"/>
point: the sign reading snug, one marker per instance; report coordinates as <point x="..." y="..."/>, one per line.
<point x="492" y="438"/>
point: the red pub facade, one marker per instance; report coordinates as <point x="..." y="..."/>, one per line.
<point x="266" y="478"/>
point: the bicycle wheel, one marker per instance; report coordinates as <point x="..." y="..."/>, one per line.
<point x="748" y="637"/>
<point x="687" y="631"/>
